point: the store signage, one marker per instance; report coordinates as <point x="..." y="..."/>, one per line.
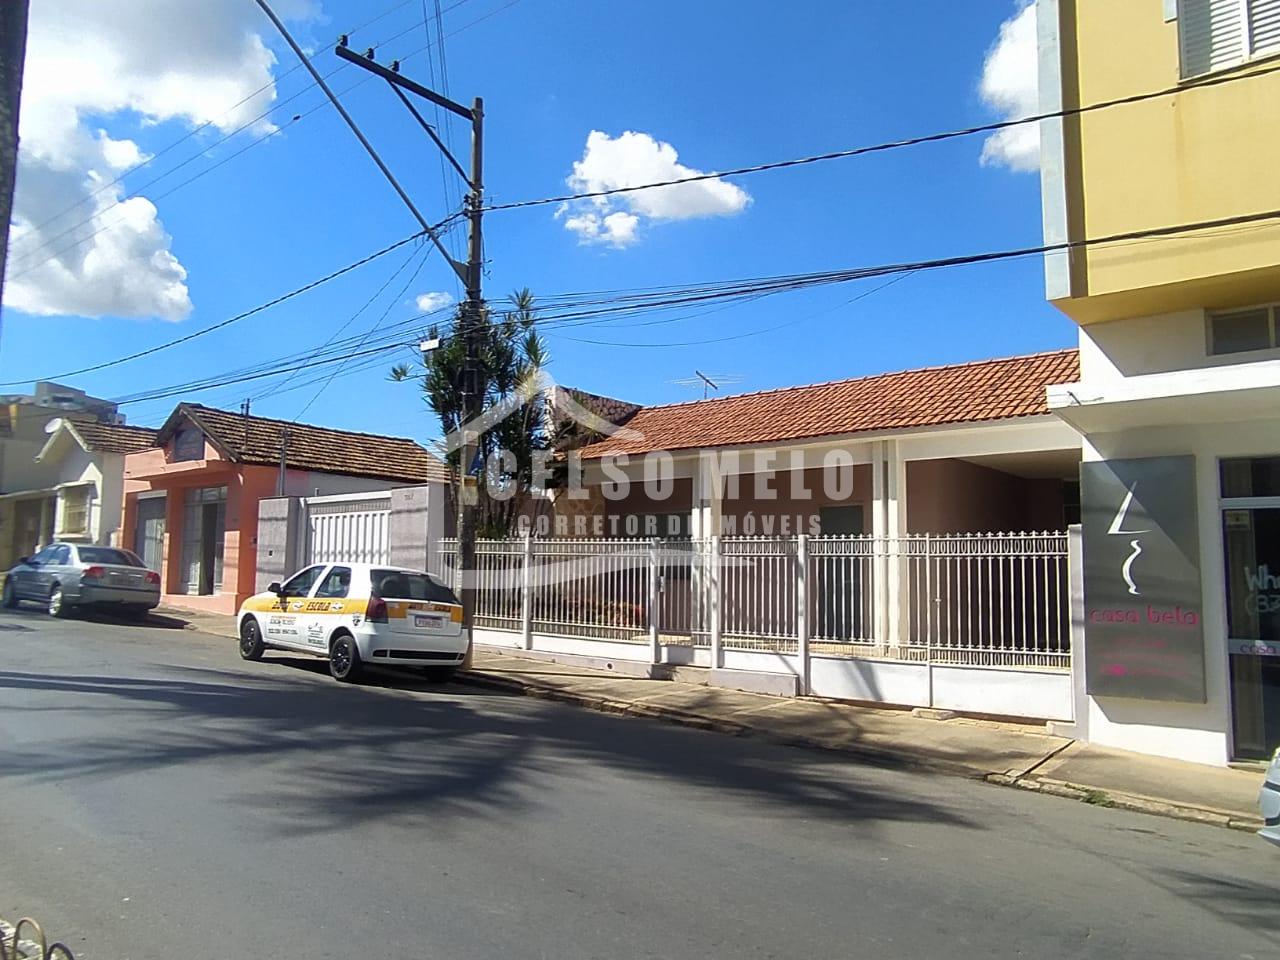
<point x="1144" y="624"/>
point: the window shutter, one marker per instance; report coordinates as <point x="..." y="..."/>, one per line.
<point x="1212" y="34"/>
<point x="1264" y="25"/>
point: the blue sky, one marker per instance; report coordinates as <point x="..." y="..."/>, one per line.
<point x="724" y="82"/>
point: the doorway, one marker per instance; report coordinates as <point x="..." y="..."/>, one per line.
<point x="1251" y="553"/>
<point x="204" y="531"/>
<point x="148" y="538"/>
<point x="844" y="612"/>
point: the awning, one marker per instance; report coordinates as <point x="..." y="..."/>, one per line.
<point x="1231" y="393"/>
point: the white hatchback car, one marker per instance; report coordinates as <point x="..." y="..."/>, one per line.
<point x="1269" y="802"/>
<point x="355" y="614"/>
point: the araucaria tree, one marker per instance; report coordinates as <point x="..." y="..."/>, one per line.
<point x="511" y="356"/>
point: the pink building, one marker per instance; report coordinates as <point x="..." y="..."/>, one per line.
<point x="191" y="501"/>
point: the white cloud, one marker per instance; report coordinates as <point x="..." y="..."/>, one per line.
<point x="436" y="300"/>
<point x="628" y="160"/>
<point x="1010" y="85"/>
<point x="155" y="60"/>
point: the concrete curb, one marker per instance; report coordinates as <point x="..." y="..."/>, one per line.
<point x="698" y="721"/>
<point x="1096" y="796"/>
<point x="1139" y="803"/>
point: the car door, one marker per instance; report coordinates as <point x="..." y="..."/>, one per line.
<point x="26" y="576"/>
<point x="326" y="606"/>
<point x="284" y="620"/>
<point x="61" y="570"/>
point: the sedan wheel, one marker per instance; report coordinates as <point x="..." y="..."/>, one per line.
<point x="10" y="597"/>
<point x="58" y="606"/>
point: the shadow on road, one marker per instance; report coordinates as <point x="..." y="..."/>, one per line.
<point x="349" y="754"/>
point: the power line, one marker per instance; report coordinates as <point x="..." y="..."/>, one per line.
<point x="371" y="331"/>
<point x="274" y="108"/>
<point x="750" y="289"/>
<point x="230" y="320"/>
<point x="892" y="144"/>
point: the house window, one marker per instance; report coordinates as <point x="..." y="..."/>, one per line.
<point x="188" y="444"/>
<point x="1239" y="331"/>
<point x="1217" y="34"/>
<point x="75" y="511"/>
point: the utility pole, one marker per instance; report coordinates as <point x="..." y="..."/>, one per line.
<point x="471" y="313"/>
<point x="13" y="54"/>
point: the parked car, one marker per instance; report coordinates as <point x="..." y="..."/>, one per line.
<point x="356" y="614"/>
<point x="66" y="576"/>
<point x="1269" y="802"/>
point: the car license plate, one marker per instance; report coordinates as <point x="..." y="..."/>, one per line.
<point x="427" y="621"/>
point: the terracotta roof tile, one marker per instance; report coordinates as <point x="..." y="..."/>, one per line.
<point x="113" y="438"/>
<point x="933" y="396"/>
<point x="257" y="440"/>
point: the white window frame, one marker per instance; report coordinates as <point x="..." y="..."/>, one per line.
<point x="1273" y="323"/>
<point x="1246" y="32"/>
<point x="84" y="489"/>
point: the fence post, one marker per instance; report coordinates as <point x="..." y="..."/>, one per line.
<point x="526" y="593"/>
<point x="802" y="610"/>
<point x="655" y="604"/>
<point x="712" y="600"/>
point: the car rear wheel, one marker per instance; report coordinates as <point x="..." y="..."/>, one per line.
<point x="251" y="645"/>
<point x="58" y="606"/>
<point x="344" y="659"/>
<point x="439" y="674"/>
<point x="10" y="599"/>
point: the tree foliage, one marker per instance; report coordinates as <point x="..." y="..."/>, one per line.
<point x="511" y="355"/>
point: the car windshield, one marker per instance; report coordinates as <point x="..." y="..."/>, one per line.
<point x="120" y="558"/>
<point x="402" y="585"/>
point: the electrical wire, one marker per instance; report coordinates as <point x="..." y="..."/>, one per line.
<point x="893" y="144"/>
<point x="230" y="320"/>
<point x="26" y="267"/>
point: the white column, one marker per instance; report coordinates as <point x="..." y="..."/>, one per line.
<point x="888" y="525"/>
<point x="708" y="501"/>
<point x="526" y="593"/>
<point x="655" y="605"/>
<point x="714" y="596"/>
<point x="802" y="610"/>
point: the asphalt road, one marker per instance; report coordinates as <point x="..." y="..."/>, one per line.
<point x="162" y="799"/>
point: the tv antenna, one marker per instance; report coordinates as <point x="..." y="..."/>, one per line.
<point x="712" y="381"/>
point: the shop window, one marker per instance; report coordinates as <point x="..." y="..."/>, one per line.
<point x="1250" y="477"/>
<point x="1240" y="331"/>
<point x="1219" y="34"/>
<point x="75" y="511"/>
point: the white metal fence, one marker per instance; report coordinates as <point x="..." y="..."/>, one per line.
<point x="996" y="599"/>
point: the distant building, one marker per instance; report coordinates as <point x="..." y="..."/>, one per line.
<point x="40" y="494"/>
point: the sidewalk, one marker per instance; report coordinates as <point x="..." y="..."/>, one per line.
<point x="1017" y="755"/>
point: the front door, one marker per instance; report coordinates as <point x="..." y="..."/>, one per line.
<point x="1251" y="554"/>
<point x="148" y="541"/>
<point x="284" y="622"/>
<point x="842" y="612"/>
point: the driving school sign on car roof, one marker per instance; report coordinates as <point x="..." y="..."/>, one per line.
<point x="1144" y="623"/>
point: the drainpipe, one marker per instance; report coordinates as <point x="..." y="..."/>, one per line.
<point x="284" y="450"/>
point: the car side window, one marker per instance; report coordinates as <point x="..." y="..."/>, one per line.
<point x="44" y="556"/>
<point x="60" y="555"/>
<point x="336" y="584"/>
<point x="300" y="584"/>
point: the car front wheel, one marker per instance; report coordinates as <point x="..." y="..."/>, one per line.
<point x="251" y="645"/>
<point x="10" y="599"/>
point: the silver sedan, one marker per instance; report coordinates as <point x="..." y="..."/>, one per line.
<point x="64" y="576"/>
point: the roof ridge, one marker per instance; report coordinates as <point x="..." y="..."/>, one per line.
<point x="1064" y="351"/>
<point x="294" y="423"/>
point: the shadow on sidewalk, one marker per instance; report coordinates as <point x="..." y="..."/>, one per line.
<point x="347" y="755"/>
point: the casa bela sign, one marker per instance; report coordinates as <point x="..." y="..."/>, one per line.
<point x="1144" y="627"/>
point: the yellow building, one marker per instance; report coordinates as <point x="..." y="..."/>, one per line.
<point x="1179" y="396"/>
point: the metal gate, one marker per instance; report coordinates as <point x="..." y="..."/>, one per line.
<point x="346" y="529"/>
